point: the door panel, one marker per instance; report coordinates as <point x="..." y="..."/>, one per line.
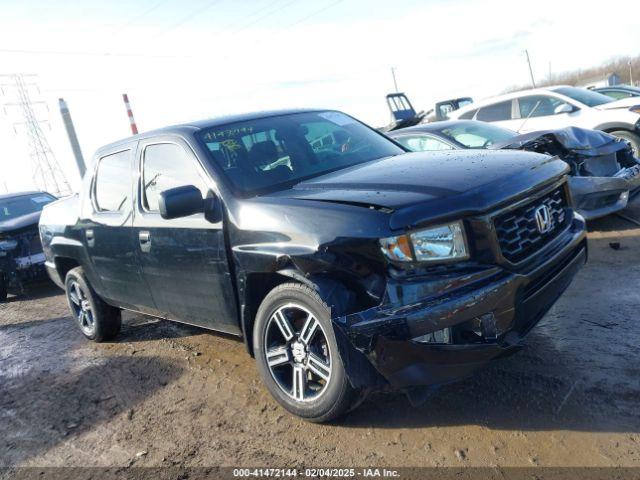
<point x="184" y="263"/>
<point x="108" y="235"/>
<point x="183" y="260"/>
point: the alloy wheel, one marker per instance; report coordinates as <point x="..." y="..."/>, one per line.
<point x="297" y="353"/>
<point x="81" y="308"/>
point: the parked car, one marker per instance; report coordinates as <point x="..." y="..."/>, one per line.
<point x="404" y="115"/>
<point x="558" y="107"/>
<point x="21" y="257"/>
<point x="345" y="267"/>
<point x="604" y="172"/>
<point x="619" y="91"/>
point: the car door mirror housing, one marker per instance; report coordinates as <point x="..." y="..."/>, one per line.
<point x="564" y="108"/>
<point x="212" y="208"/>
<point x="180" y="202"/>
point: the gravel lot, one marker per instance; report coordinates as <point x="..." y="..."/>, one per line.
<point x="164" y="394"/>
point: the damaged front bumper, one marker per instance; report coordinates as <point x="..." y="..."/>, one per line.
<point x="21" y="265"/>
<point x="596" y="197"/>
<point x="485" y="315"/>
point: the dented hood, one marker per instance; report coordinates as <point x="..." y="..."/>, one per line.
<point x="415" y="185"/>
<point x="621" y="103"/>
<point x="591" y="143"/>
<point x="19" y="223"/>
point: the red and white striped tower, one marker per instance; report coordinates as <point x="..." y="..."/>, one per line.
<point x="132" y="122"/>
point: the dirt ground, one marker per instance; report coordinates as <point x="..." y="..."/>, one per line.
<point x="164" y="394"/>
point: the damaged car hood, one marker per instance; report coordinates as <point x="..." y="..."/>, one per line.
<point x="592" y="143"/>
<point x="19" y="223"/>
<point x="621" y="103"/>
<point x="414" y="185"/>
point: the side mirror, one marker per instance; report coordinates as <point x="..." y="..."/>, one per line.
<point x="564" y="108"/>
<point x="180" y="202"/>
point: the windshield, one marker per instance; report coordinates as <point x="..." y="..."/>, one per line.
<point x="267" y="154"/>
<point x="582" y="95"/>
<point x="15" y="207"/>
<point x="477" y="134"/>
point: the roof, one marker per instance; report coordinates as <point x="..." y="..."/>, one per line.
<point x="190" y="127"/>
<point x="21" y="194"/>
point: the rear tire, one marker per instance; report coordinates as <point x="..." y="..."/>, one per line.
<point x="97" y="320"/>
<point x="3" y="288"/>
<point x="632" y="138"/>
<point x="300" y="363"/>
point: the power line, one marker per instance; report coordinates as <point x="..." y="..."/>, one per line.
<point x="262" y="17"/>
<point x="89" y="53"/>
<point x="317" y="12"/>
<point x="255" y="12"/>
<point x="187" y="18"/>
<point x="140" y="16"/>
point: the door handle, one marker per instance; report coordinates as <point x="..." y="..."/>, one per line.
<point x="144" y="237"/>
<point x="90" y="237"/>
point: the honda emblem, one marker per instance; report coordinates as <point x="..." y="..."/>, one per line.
<point x="544" y="221"/>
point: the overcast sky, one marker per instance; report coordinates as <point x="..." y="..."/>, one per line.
<point x="182" y="60"/>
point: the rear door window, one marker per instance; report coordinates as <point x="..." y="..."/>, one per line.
<point x="538" y="106"/>
<point x="112" y="184"/>
<point x="496" y="112"/>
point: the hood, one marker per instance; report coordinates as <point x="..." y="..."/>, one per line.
<point x="622" y="103"/>
<point x="414" y="185"/>
<point x="591" y="143"/>
<point x="20" y="223"/>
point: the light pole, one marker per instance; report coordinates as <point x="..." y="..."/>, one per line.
<point x="533" y="82"/>
<point x="73" y="138"/>
<point x="393" y="73"/>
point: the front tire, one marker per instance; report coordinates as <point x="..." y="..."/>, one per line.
<point x="632" y="138"/>
<point x="97" y="320"/>
<point x="297" y="354"/>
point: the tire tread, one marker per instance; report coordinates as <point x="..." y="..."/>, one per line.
<point x="108" y="319"/>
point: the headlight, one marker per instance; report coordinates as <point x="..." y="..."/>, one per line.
<point x="635" y="109"/>
<point x="6" y="245"/>
<point x="436" y="244"/>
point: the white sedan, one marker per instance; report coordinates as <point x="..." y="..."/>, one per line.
<point x="558" y="107"/>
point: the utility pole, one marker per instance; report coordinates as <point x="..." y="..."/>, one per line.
<point x="73" y="138"/>
<point x="533" y="82"/>
<point x="47" y="174"/>
<point x="132" y="122"/>
<point x="630" y="73"/>
<point x="393" y="74"/>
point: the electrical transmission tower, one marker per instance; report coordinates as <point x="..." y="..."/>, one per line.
<point x="47" y="174"/>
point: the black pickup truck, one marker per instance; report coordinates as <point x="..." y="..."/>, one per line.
<point x="345" y="263"/>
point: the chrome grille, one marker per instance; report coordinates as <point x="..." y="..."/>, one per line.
<point x="518" y="232"/>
